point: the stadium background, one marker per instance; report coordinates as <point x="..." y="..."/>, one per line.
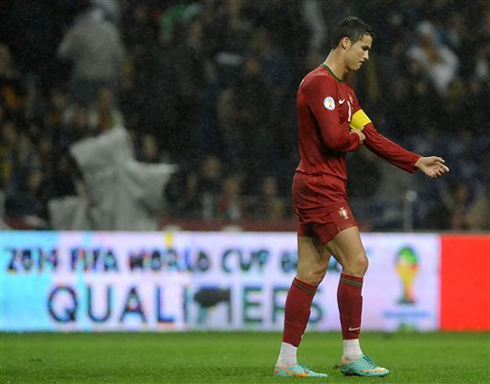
<point x="182" y="137"/>
<point x="146" y="154"/>
<point x="210" y="86"/>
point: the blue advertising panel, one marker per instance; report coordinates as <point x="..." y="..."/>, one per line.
<point x="113" y="281"/>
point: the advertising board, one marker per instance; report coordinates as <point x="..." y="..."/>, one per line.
<point x="114" y="281"/>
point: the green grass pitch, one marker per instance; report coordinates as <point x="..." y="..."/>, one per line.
<point x="241" y="357"/>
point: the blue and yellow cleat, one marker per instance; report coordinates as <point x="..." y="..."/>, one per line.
<point x="296" y="370"/>
<point x="362" y="366"/>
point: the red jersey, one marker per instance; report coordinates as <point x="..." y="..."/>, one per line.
<point x="325" y="107"/>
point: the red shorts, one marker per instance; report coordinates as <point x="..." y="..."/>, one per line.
<point x="320" y="202"/>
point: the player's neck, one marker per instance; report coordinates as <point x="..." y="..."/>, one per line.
<point x="335" y="63"/>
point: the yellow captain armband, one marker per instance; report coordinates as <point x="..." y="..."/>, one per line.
<point x="359" y="120"/>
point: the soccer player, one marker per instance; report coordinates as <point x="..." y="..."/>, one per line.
<point x="331" y="123"/>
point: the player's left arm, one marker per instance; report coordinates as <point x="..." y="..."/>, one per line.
<point x="379" y="144"/>
<point x="388" y="150"/>
<point x="432" y="166"/>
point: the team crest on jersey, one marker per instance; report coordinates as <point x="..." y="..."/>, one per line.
<point x="329" y="103"/>
<point x="343" y="213"/>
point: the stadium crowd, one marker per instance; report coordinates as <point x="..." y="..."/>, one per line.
<point x="210" y="86"/>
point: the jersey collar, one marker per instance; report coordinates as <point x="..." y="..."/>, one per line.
<point x="329" y="70"/>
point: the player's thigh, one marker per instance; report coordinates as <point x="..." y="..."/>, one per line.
<point x="313" y="260"/>
<point x="347" y="248"/>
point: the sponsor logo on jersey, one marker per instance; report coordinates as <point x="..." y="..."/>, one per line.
<point x="329" y="103"/>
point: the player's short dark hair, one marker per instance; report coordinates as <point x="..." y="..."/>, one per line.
<point x="353" y="28"/>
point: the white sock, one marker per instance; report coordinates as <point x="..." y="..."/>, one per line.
<point x="287" y="355"/>
<point x="352" y="349"/>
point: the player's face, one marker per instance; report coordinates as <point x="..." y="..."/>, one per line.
<point x="358" y="53"/>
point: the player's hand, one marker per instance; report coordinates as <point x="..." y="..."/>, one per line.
<point x="432" y="166"/>
<point x="360" y="134"/>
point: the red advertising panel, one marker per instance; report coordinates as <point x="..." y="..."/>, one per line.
<point x="465" y="282"/>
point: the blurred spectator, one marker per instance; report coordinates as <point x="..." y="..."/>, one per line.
<point x="55" y="112"/>
<point x="230" y="125"/>
<point x="253" y="107"/>
<point x="418" y="101"/>
<point x="112" y="10"/>
<point x="46" y="152"/>
<point x="105" y="114"/>
<point x="9" y="154"/>
<point x="232" y="29"/>
<point x="195" y="78"/>
<point x="77" y="127"/>
<point x="148" y="150"/>
<point x="123" y="193"/>
<point x="230" y="204"/>
<point x="448" y="213"/>
<point x="151" y="98"/>
<point x="313" y="15"/>
<point x="478" y="215"/>
<point x="7" y="70"/>
<point x="140" y="29"/>
<point x="436" y="58"/>
<point x="12" y="89"/>
<point x="268" y="205"/>
<point x="482" y="63"/>
<point x="94" y="46"/>
<point x="27" y="207"/>
<point x="286" y="15"/>
<point x="203" y="188"/>
<point x="64" y="179"/>
<point x="33" y="30"/>
<point x="189" y="68"/>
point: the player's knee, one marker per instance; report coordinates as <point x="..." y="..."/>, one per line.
<point x="356" y="265"/>
<point x="312" y="276"/>
<point x="363" y="263"/>
<point x="318" y="276"/>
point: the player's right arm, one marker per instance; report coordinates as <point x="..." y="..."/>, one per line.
<point x="359" y="133"/>
<point x="321" y="93"/>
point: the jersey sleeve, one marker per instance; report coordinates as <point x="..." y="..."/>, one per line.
<point x="321" y="94"/>
<point x="359" y="118"/>
<point x="388" y="150"/>
<point x="379" y="144"/>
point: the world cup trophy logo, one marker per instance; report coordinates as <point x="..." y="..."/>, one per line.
<point x="407" y="267"/>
